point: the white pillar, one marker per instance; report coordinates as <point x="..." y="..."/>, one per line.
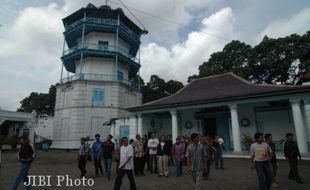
<point x="31" y="135"/>
<point x="299" y="126"/>
<point x="174" y="125"/>
<point x="140" y="129"/>
<point x="112" y="131"/>
<point x="307" y="120"/>
<point x="235" y="127"/>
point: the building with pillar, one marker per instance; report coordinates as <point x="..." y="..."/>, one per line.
<point x="100" y="64"/>
<point x="17" y="124"/>
<point x="232" y="107"/>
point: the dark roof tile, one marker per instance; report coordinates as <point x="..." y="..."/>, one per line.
<point x="218" y="87"/>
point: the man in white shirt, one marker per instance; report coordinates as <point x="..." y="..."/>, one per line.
<point x="260" y="156"/>
<point x="152" y="146"/>
<point x="125" y="165"/>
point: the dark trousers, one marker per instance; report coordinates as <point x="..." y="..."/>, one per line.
<point x="179" y="166"/>
<point x="147" y="161"/>
<point x="153" y="163"/>
<point x="82" y="165"/>
<point x="170" y="161"/>
<point x="264" y="174"/>
<point x="218" y="157"/>
<point x="293" y="169"/>
<point x="274" y="170"/>
<point x="98" y="166"/>
<point x="108" y="167"/>
<point x="139" y="165"/>
<point x="119" y="178"/>
<point x="206" y="170"/>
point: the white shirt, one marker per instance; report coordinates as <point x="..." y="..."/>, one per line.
<point x="153" y="143"/>
<point x="162" y="145"/>
<point x="126" y="152"/>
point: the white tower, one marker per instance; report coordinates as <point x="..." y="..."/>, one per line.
<point x="101" y="66"/>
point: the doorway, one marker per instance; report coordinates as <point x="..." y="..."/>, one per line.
<point x="209" y="127"/>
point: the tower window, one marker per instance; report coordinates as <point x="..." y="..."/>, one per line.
<point x="103" y="45"/>
<point x="120" y="76"/>
<point x="98" y="97"/>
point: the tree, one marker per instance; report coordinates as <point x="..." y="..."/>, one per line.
<point x="42" y="103"/>
<point x="272" y="61"/>
<point x="173" y="86"/>
<point x="136" y="81"/>
<point x="234" y="58"/>
<point x="157" y="88"/>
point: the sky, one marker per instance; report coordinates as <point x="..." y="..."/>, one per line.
<point x="31" y="36"/>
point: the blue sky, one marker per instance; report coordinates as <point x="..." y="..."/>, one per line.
<point x="31" y="36"/>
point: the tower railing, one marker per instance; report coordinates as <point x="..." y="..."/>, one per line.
<point x="95" y="77"/>
<point x="105" y="22"/>
<point x="103" y="49"/>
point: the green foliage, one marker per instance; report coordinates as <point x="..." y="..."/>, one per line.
<point x="157" y="88"/>
<point x="136" y="81"/>
<point x="42" y="103"/>
<point x="247" y="140"/>
<point x="272" y="61"/>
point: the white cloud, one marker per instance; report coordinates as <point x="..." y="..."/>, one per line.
<point x="32" y="44"/>
<point x="298" y="23"/>
<point x="159" y="30"/>
<point x="31" y="54"/>
<point x="183" y="59"/>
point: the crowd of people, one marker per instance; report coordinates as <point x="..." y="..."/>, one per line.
<point x="193" y="151"/>
<point x="155" y="154"/>
<point x="263" y="155"/>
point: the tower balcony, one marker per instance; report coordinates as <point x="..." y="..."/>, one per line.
<point x="96" y="77"/>
<point x="96" y="50"/>
<point x="74" y="31"/>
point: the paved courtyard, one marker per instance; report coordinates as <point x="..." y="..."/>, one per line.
<point x="237" y="174"/>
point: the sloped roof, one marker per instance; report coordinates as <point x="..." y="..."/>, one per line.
<point x="221" y="87"/>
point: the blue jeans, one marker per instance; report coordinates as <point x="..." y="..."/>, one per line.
<point x="178" y="165"/>
<point x="263" y="174"/>
<point x="23" y="175"/>
<point x="107" y="162"/>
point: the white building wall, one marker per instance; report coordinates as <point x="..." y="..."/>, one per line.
<point x="102" y="66"/>
<point x="75" y="117"/>
<point x="276" y="122"/>
<point x="44" y="130"/>
<point x="188" y="115"/>
<point x="94" y="37"/>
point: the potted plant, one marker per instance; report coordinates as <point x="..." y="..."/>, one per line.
<point x="247" y="140"/>
<point x="13" y="141"/>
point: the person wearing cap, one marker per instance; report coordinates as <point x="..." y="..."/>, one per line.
<point x="291" y="153"/>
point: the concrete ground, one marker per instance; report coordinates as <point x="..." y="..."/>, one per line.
<point x="237" y="174"/>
